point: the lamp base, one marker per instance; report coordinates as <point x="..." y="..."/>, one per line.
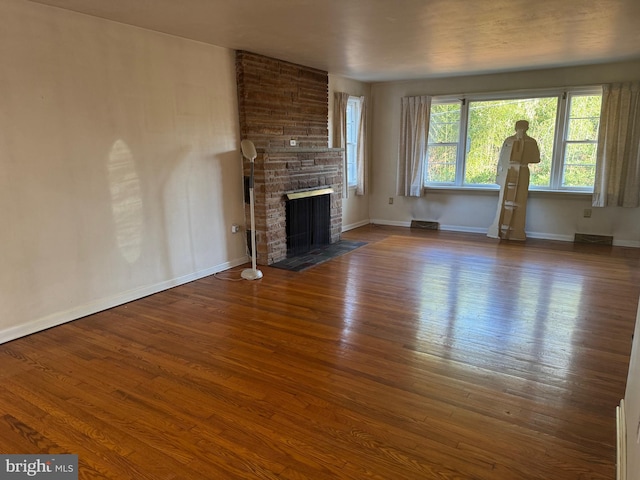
<point x="251" y="274"/>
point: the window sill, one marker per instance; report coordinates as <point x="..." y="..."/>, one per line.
<point x="534" y="192"/>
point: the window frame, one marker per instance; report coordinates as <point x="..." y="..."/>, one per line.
<point x="354" y="104"/>
<point x="563" y="95"/>
<point x="561" y="147"/>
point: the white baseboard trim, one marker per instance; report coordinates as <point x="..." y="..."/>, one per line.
<point x="550" y="236"/>
<point x="80" y="311"/>
<point x="538" y="235"/>
<point x="456" y="228"/>
<point x="626" y="243"/>
<point x="351" y="226"/>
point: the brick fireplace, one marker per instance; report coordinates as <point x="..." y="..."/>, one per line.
<point x="279" y="102"/>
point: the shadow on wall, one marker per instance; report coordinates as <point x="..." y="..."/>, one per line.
<point x="197" y="197"/>
<point x="126" y="201"/>
<point x="232" y="194"/>
<point x="201" y="198"/>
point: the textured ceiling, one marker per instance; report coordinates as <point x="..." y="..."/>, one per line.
<point x="381" y="40"/>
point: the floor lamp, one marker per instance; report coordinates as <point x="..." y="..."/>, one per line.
<point x="249" y="152"/>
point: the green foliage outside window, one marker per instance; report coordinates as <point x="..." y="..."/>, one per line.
<point x="444" y="134"/>
<point x="490" y="122"/>
<point x="581" y="143"/>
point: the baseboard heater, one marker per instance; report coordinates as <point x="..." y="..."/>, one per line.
<point x="593" y="239"/>
<point x="425" y="225"/>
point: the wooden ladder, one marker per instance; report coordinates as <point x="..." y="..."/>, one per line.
<point x="510" y="204"/>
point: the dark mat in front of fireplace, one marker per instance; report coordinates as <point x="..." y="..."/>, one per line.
<point x="317" y="256"/>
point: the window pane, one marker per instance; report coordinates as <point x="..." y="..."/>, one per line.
<point x="578" y="169"/>
<point x="579" y="165"/>
<point x="353" y="107"/>
<point x="352" y="174"/>
<point x="584" y="117"/>
<point x="579" y="176"/>
<point x="444" y="123"/>
<point x="441" y="163"/>
<point x="442" y="148"/>
<point x="490" y="122"/>
<point x="583" y="129"/>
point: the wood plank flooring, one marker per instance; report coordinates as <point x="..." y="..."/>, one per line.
<point x="422" y="355"/>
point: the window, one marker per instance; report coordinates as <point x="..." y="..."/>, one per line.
<point x="442" y="147"/>
<point x="581" y="140"/>
<point x="353" y="120"/>
<point x="465" y="137"/>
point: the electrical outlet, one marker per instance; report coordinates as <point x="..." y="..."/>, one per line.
<point x="235" y="228"/>
<point x="390" y="200"/>
<point x="587" y="213"/>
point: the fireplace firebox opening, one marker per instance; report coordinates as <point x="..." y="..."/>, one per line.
<point x="308" y="221"/>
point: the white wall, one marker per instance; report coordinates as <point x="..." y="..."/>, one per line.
<point x="355" y="208"/>
<point x="548" y="216"/>
<point x="120" y="173"/>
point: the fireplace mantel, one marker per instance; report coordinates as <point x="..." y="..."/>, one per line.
<point x="299" y="150"/>
<point x="309" y="192"/>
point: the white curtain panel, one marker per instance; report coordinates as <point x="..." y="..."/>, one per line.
<point x="340" y="101"/>
<point x="414" y="128"/>
<point x="617" y="179"/>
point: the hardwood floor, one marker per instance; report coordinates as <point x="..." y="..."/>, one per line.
<point x="420" y="355"/>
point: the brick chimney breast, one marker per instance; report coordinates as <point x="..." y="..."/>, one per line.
<point x="279" y="102"/>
